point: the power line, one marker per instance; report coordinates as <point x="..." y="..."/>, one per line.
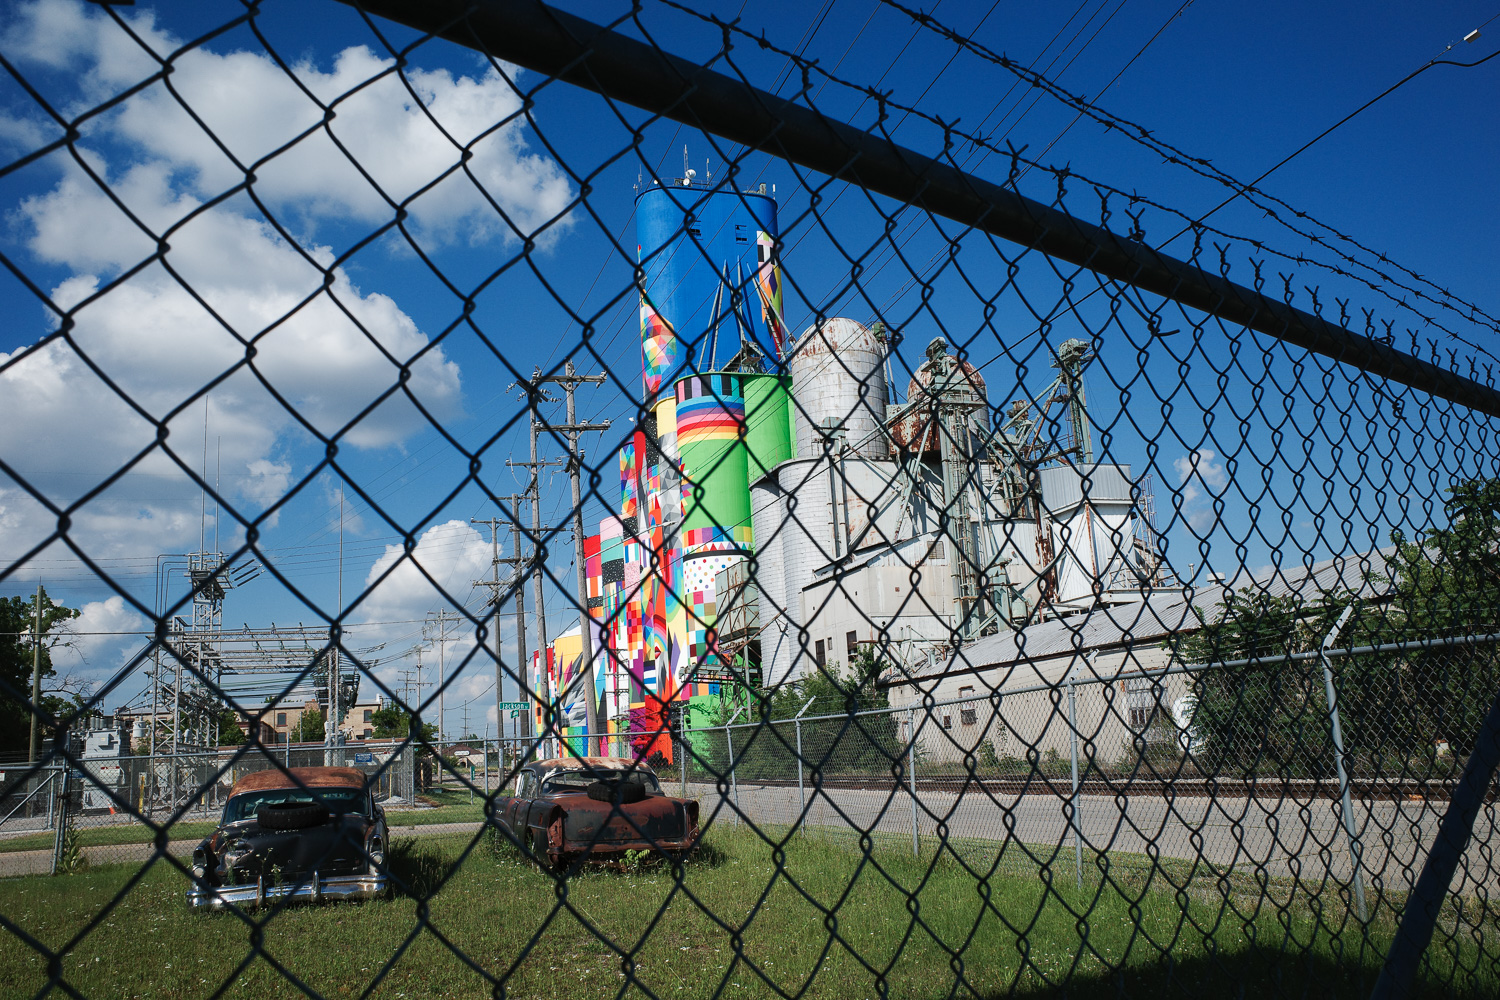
<point x="1341" y="122"/>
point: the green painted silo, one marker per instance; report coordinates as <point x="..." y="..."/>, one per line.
<point x="768" y="422"/>
<point x="716" y="494"/>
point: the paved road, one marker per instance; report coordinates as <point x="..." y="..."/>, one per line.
<point x="1300" y="838"/>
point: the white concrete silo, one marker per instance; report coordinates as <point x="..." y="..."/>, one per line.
<point x="838" y="381"/>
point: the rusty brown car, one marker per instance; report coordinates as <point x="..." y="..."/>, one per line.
<point x="595" y="809"/>
<point x="315" y="835"/>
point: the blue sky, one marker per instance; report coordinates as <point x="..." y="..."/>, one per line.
<point x="1239" y="85"/>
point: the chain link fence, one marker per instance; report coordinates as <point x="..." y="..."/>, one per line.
<point x="115" y="806"/>
<point x="1243" y="774"/>
<point x="955" y="699"/>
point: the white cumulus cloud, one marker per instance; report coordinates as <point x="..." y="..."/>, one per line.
<point x="1201" y="476"/>
<point x="231" y="292"/>
<point x="406" y="130"/>
<point x="104" y="636"/>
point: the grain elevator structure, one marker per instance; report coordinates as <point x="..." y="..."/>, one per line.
<point x="781" y="510"/>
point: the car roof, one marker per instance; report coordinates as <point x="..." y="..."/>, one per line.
<point x="554" y="764"/>
<point x="309" y="777"/>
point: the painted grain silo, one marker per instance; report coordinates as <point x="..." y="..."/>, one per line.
<point x="702" y="249"/>
<point x="710" y="290"/>
<point x="838" y="383"/>
<point x="770" y="437"/>
<point x="794" y="536"/>
<point x="732" y="428"/>
<point x="712" y="446"/>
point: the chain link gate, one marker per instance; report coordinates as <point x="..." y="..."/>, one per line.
<point x="962" y="705"/>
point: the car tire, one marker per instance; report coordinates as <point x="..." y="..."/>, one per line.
<point x="291" y="815"/>
<point x="539" y="856"/>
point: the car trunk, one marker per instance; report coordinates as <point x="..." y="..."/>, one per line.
<point x="654" y="818"/>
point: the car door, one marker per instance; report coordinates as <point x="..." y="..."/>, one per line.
<point x="517" y="807"/>
<point x="537" y="805"/>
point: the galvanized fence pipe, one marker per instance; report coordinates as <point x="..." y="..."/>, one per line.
<point x="593" y="57"/>
<point x="1073" y="754"/>
<point x="801" y="792"/>
<point x="60" y="831"/>
<point x="1346" y="808"/>
<point x="1419" y="915"/>
<point x="911" y="778"/>
<point x="733" y="782"/>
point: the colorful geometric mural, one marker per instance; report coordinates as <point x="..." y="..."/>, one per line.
<point x="768" y="282"/>
<point x="684" y="505"/>
<point x="659" y="348"/>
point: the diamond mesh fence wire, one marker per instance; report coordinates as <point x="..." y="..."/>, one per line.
<point x="965" y="594"/>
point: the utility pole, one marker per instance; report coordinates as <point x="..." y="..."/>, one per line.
<point x="535" y="395"/>
<point x="440" y="620"/>
<point x="514" y="560"/>
<point x="406" y="678"/>
<point x="36" y="679"/>
<point x="569" y="380"/>
<point x="334" y="724"/>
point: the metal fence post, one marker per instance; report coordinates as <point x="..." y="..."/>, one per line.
<point x="682" y="752"/>
<point x="734" y="785"/>
<point x="1420" y="914"/>
<point x="911" y="776"/>
<point x="1073" y="801"/>
<point x="51" y="798"/>
<point x="801" y="791"/>
<point x="1346" y="807"/>
<point x="60" y="831"/>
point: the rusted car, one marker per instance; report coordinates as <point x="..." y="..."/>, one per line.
<point x="594" y="809"/>
<point x="315" y="835"/>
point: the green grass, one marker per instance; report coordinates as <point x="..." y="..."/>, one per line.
<point x="515" y="921"/>
<point x="451" y="807"/>
<point x="133" y="833"/>
<point x="446" y="806"/>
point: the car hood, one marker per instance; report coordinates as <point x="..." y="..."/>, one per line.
<point x="337" y="846"/>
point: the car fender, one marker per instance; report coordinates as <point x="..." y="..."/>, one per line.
<point x="546" y="829"/>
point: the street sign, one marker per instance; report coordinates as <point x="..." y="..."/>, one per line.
<point x="515" y="706"/>
<point x="364" y="758"/>
<point x="515" y="715"/>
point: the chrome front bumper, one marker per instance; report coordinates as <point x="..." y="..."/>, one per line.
<point x="314" y="889"/>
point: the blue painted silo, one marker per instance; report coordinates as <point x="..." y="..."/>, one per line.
<point x="689" y="237"/>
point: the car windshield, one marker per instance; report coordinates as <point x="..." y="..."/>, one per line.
<point x="577" y="781"/>
<point x="338" y="800"/>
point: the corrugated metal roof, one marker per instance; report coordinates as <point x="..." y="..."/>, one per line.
<point x="1160" y="615"/>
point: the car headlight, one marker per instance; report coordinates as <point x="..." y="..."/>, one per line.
<point x="234" y="854"/>
<point x="377" y="854"/>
